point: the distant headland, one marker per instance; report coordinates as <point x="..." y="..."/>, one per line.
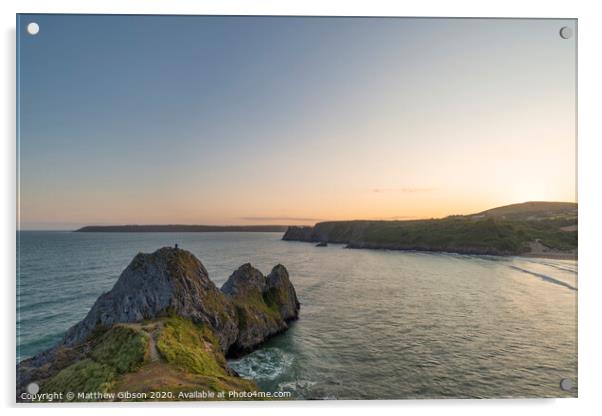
<point x="182" y="228"/>
<point x="538" y="229"/>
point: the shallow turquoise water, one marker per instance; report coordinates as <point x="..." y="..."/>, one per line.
<point x="374" y="324"/>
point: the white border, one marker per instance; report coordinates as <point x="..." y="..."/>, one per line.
<point x="590" y="206"/>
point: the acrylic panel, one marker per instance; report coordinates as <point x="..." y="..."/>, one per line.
<point x="295" y="208"/>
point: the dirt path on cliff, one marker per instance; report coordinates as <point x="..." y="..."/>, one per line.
<point x="152" y="343"/>
<point x="153" y="331"/>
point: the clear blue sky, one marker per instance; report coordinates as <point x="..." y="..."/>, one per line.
<point x="239" y="120"/>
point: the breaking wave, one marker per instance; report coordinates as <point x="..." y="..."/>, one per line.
<point x="545" y="277"/>
<point x="263" y="364"/>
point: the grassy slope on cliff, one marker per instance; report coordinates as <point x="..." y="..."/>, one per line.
<point x="499" y="236"/>
<point x="117" y="351"/>
<point x="121" y="359"/>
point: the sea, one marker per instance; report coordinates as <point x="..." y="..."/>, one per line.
<point x="374" y="324"/>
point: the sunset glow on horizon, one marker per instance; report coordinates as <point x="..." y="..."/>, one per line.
<point x="264" y="120"/>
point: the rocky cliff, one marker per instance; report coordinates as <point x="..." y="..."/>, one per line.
<point x="338" y="232"/>
<point x="165" y="324"/>
<point x="296" y="233"/>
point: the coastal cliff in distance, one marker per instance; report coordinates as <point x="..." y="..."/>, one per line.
<point x="546" y="229"/>
<point x="165" y="326"/>
<point x="181" y="228"/>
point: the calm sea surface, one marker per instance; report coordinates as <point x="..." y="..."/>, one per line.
<point x="373" y="325"/>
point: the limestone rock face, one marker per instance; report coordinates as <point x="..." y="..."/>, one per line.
<point x="168" y="281"/>
<point x="281" y="292"/>
<point x="263" y="304"/>
<point x="46" y="364"/>
<point x="245" y="280"/>
<point x="295" y="233"/>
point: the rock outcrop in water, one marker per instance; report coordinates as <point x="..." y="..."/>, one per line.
<point x="164" y="316"/>
<point x="168" y="281"/>
<point x="263" y="305"/>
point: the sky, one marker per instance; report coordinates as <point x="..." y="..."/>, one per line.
<point x="282" y="120"/>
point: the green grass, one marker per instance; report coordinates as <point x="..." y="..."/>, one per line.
<point x="193" y="356"/>
<point x="273" y="298"/>
<point x="493" y="235"/>
<point x="122" y="348"/>
<point x="446" y="234"/>
<point x="194" y="350"/>
<point x="118" y="350"/>
<point x="254" y="305"/>
<point x="191" y="347"/>
<point x="83" y="376"/>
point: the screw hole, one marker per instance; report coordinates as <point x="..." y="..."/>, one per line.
<point x="566" y="384"/>
<point x="566" y="32"/>
<point x="33" y="28"/>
